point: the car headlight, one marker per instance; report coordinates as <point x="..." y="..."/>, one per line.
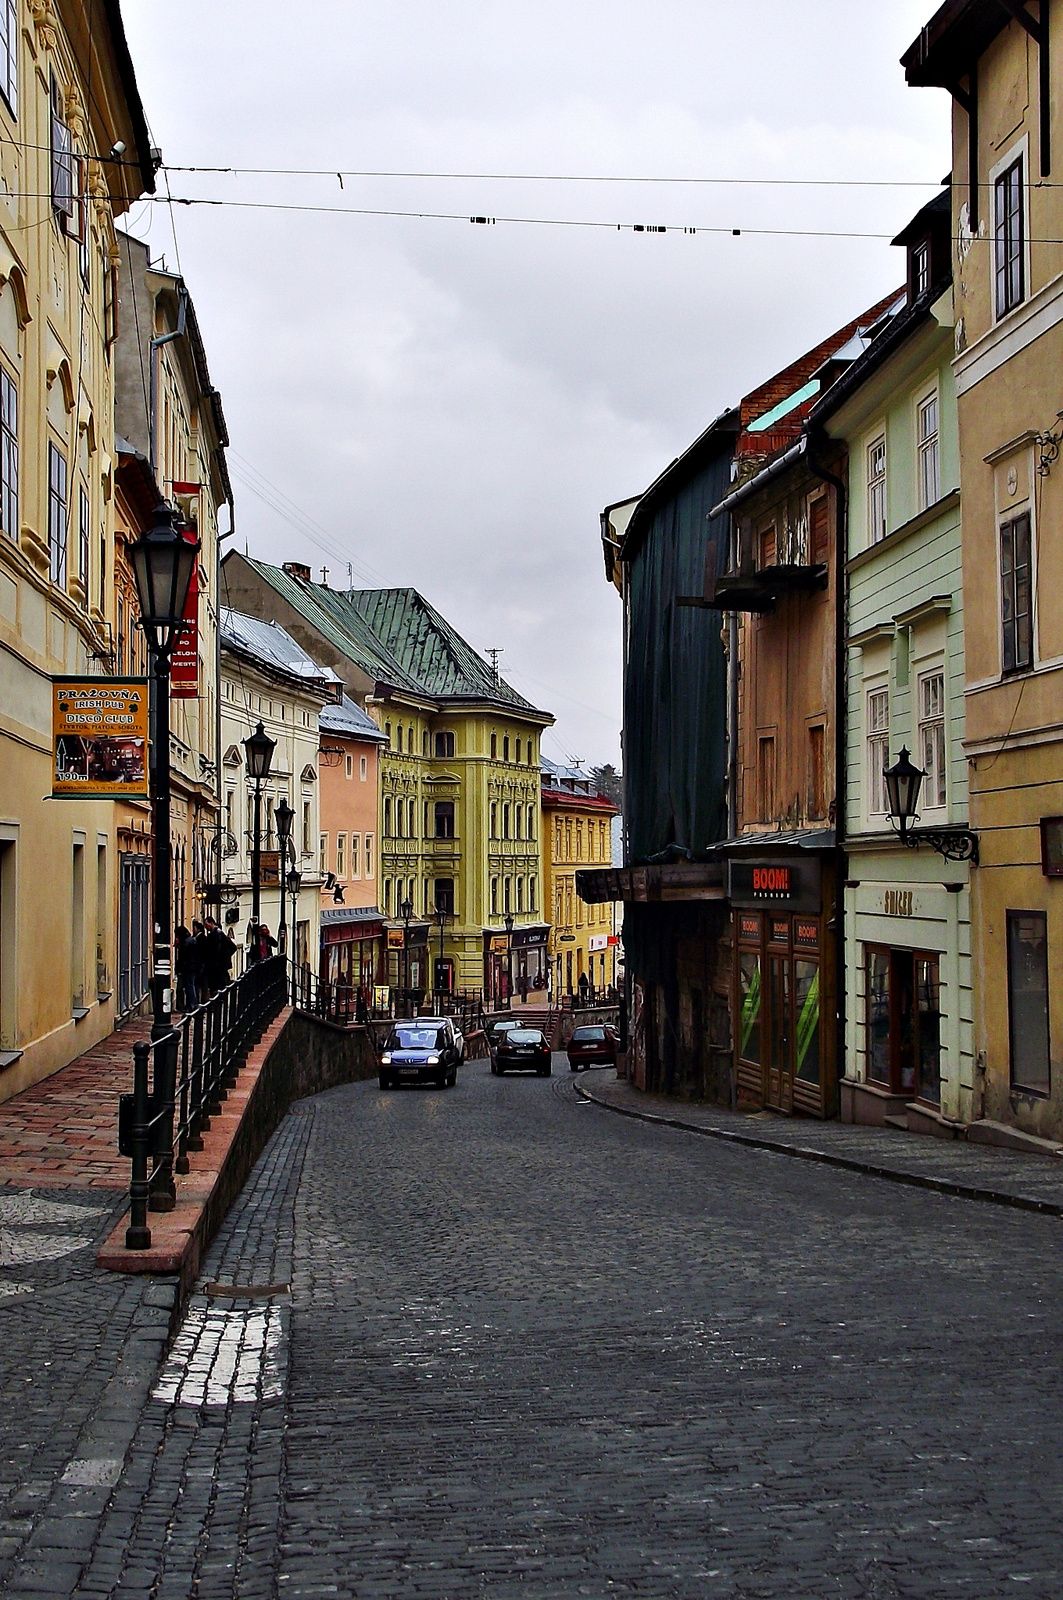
<point x="433" y="1061"/>
<point x="385" y="1059"/>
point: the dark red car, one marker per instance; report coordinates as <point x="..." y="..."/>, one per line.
<point x="593" y="1046"/>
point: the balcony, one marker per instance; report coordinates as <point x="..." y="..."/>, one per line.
<point x="760" y="591"/>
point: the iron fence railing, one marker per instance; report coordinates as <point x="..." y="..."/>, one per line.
<point x="346" y="1005"/>
<point x="190" y="1070"/>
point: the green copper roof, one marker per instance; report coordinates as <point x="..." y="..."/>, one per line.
<point x="428" y="649"/>
<point x="395" y="637"/>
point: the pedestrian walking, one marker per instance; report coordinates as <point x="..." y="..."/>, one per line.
<point x="186" y="963"/>
<point x="218" y="952"/>
<point x="584" y="988"/>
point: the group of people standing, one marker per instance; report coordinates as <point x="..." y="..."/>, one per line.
<point x="203" y="964"/>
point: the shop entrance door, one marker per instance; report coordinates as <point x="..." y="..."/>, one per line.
<point x="779" y="1087"/>
<point x="903" y="1037"/>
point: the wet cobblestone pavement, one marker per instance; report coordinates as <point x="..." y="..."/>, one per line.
<point x="533" y="1349"/>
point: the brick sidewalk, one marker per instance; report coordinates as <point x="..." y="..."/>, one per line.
<point x="972" y="1172"/>
<point x="63" y="1132"/>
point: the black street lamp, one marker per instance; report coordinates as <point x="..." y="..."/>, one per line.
<point x="259" y="748"/>
<point x="295" y="883"/>
<point x="508" y="920"/>
<point x="406" y="913"/>
<point x="284" y="817"/>
<point x="163" y="560"/>
<point x="903" y="782"/>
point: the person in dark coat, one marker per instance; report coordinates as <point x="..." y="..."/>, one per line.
<point x="218" y="952"/>
<point x="186" y="967"/>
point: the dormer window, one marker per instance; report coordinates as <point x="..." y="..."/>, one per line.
<point x="920" y="268"/>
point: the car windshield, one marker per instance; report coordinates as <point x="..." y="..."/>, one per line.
<point x="502" y="1027"/>
<point x="588" y="1036"/>
<point x="416" y="1039"/>
<point x="524" y="1036"/>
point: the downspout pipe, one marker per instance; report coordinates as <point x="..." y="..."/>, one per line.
<point x="732" y="696"/>
<point x="153" y="375"/>
<point x="841" y="693"/>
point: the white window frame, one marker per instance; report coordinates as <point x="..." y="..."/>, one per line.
<point x="322" y="854"/>
<point x="363" y="768"/>
<point x="933" y="740"/>
<point x="877" y="745"/>
<point x="1020" y="151"/>
<point x="354" y="869"/>
<point x="341" y="858"/>
<point x="928" y="447"/>
<point x="876" y="487"/>
<point x="369" y="867"/>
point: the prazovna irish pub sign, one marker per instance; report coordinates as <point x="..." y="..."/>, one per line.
<point x="99" y="738"/>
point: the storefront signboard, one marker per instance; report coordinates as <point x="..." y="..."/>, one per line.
<point x="184" y="663"/>
<point x="99" y="738"/>
<point x="793" y="885"/>
<point x="396" y="939"/>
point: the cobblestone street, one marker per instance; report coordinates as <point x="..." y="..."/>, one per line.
<point x="534" y="1349"/>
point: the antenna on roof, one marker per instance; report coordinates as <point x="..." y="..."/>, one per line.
<point x="350" y="574"/>
<point x="494" y="651"/>
<point x="324" y="577"/>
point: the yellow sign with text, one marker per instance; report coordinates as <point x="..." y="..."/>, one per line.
<point x="99" y="738"/>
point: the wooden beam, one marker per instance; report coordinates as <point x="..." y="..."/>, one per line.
<point x="1038" y="29"/>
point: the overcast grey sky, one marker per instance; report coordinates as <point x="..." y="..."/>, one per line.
<point x="450" y="406"/>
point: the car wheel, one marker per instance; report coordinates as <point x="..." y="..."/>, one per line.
<point x="452" y="1080"/>
<point x="500" y="1069"/>
<point x="443" y="1082"/>
<point x="544" y="1072"/>
<point x="572" y="1067"/>
<point x="385" y="1081"/>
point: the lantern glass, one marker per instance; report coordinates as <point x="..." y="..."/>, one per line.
<point x="259" y="747"/>
<point x="406" y="910"/>
<point x="283" y="817"/>
<point x="295" y="882"/>
<point x="903" y="782"/>
<point x="508" y="919"/>
<point x="163" y="561"/>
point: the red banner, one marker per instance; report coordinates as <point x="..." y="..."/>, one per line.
<point x="184" y="671"/>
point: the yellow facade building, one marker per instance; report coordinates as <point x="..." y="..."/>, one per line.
<point x="1008" y="274"/>
<point x="59" y="294"/>
<point x="577" y="823"/>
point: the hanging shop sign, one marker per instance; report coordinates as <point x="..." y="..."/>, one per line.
<point x="396" y="939"/>
<point x="793" y="884"/>
<point x="99" y="738"/>
<point x="598" y="941"/>
<point x="269" y="869"/>
<point x="184" y="663"/>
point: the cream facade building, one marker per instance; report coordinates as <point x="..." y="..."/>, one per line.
<point x="59" y="296"/>
<point x="266" y="677"/>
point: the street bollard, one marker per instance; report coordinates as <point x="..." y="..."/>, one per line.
<point x="138" y="1234"/>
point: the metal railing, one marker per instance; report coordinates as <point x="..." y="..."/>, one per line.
<point x="346" y="1006"/>
<point x="194" y="1067"/>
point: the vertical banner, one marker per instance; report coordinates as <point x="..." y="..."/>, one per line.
<point x="99" y="738"/>
<point x="184" y="671"/>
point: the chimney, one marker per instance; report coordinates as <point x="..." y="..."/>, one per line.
<point x="296" y="569"/>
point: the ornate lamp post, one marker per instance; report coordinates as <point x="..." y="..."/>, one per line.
<point x="295" y="883"/>
<point x="259" y="748"/>
<point x="163" y="561"/>
<point x="406" y="913"/>
<point x="903" y="782"/>
<point x="508" y="920"/>
<point x="283" y="816"/>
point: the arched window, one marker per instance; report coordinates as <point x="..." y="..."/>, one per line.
<point x="516" y="753"/>
<point x="387" y="733"/>
<point x="424" y="742"/>
<point x="505" y="748"/>
<point x="520" y="894"/>
<point x="518" y="818"/>
<point x="531" y="894"/>
<point x="531" y="822"/>
<point x="505" y="821"/>
<point x="387" y="897"/>
<point x="387" y="816"/>
<point x="494" y="747"/>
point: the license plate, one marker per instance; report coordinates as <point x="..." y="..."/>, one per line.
<point x="408" y="1072"/>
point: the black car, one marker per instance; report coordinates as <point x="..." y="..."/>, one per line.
<point x="496" y="1032"/>
<point x="425" y="1050"/>
<point x="525" y="1048"/>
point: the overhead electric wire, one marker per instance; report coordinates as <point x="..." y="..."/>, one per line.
<point x="558" y="177"/>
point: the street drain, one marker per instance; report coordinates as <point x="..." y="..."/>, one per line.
<point x="245" y="1291"/>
